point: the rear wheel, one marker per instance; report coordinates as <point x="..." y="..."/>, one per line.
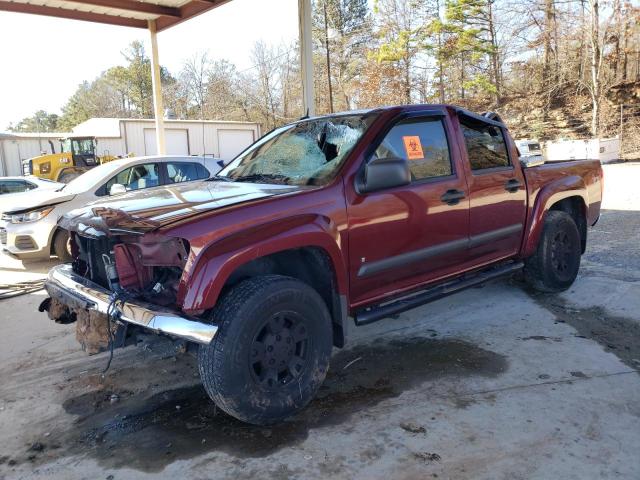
<point x="554" y="267"/>
<point x="271" y="352"/>
<point x="62" y="246"/>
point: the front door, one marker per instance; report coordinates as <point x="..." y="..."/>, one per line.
<point x="408" y="235"/>
<point x="497" y="193"/>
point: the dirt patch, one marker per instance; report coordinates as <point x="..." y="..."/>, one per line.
<point x="148" y="432"/>
<point x="618" y="335"/>
<point x="541" y="337"/>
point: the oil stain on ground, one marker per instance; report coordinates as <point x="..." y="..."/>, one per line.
<point x="618" y="335"/>
<point x="148" y="433"/>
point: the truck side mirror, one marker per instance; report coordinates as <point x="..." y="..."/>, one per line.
<point x="117" y="189"/>
<point x="382" y="173"/>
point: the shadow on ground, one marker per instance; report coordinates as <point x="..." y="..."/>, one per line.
<point x="148" y="432"/>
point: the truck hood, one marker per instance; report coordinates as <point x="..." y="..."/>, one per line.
<point x="18" y="202"/>
<point x="142" y="211"/>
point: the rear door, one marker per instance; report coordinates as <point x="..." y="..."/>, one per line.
<point x="497" y="191"/>
<point x="404" y="236"/>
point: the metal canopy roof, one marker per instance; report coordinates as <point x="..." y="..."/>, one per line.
<point x="127" y="13"/>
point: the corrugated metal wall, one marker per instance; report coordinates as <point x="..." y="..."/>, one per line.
<point x="14" y="150"/>
<point x="134" y="135"/>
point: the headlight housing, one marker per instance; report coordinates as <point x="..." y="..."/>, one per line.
<point x="28" y="216"/>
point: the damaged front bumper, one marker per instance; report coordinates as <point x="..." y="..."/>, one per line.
<point x="79" y="293"/>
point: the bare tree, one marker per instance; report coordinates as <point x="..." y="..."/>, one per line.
<point x="195" y="77"/>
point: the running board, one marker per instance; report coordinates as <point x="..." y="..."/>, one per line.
<point x="372" y="314"/>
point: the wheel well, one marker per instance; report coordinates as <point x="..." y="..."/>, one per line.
<point x="52" y="239"/>
<point x="310" y="265"/>
<point x="574" y="206"/>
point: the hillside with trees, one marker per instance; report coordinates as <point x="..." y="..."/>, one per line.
<point x="551" y="68"/>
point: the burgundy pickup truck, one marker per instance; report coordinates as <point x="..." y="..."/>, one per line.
<point x="347" y="217"/>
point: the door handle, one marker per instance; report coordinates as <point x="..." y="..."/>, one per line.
<point x="512" y="185"/>
<point x="452" y="197"/>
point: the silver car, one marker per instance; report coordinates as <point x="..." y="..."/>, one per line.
<point x="29" y="227"/>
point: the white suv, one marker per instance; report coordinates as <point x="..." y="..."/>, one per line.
<point x="29" y="227"/>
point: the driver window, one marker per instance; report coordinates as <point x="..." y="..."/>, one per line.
<point x="136" y="177"/>
<point x="423" y="143"/>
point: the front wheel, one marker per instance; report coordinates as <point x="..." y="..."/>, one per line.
<point x="62" y="246"/>
<point x="271" y="352"/>
<point x="555" y="264"/>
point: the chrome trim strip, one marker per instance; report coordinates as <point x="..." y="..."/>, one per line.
<point x="64" y="282"/>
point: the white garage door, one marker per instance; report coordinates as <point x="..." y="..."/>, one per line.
<point x="232" y="142"/>
<point x="177" y="141"/>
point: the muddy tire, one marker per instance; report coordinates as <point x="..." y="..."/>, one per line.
<point x="271" y="352"/>
<point x="61" y="246"/>
<point x="554" y="267"/>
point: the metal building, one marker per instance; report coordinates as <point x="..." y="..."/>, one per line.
<point x="17" y="146"/>
<point x="120" y="137"/>
<point x="217" y="138"/>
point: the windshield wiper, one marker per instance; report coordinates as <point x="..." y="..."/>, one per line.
<point x="264" y="178"/>
<point x="220" y="178"/>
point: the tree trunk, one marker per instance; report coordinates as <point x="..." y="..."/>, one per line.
<point x="625" y="57"/>
<point x="326" y="43"/>
<point x="582" y="45"/>
<point x="617" y="9"/>
<point x="439" y="59"/>
<point x="595" y="66"/>
<point x="546" y="61"/>
<point x="407" y="76"/>
<point x="494" y="52"/>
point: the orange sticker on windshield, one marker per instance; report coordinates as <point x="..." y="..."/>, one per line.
<point x="413" y="147"/>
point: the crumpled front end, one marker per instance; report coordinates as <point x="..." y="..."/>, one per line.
<point x="124" y="276"/>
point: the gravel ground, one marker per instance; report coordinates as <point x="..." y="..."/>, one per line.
<point x="497" y="382"/>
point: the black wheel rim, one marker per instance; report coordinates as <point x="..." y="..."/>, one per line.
<point x="280" y="350"/>
<point x="561" y="253"/>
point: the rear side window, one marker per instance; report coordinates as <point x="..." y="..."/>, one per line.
<point x="486" y="147"/>
<point x="423" y="143"/>
<point x="202" y="171"/>
<point x="185" y="172"/>
<point x="13" y="186"/>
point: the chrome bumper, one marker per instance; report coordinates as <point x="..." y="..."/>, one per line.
<point x="79" y="293"/>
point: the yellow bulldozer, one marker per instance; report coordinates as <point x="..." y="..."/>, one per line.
<point x="77" y="155"/>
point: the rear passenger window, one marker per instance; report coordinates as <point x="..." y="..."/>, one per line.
<point x="423" y="143"/>
<point x="202" y="172"/>
<point x="486" y="147"/>
<point x="182" y="172"/>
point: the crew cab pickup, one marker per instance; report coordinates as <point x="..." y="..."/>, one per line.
<point x="351" y="217"/>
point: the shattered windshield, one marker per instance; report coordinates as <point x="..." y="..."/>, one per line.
<point x="303" y="153"/>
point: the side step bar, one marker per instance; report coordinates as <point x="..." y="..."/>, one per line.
<point x="372" y="314"/>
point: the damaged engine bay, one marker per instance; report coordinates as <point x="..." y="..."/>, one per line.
<point x="121" y="254"/>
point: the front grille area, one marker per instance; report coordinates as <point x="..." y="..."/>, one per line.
<point x="89" y="263"/>
<point x="27" y="167"/>
<point x="25" y="242"/>
<point x="3" y="236"/>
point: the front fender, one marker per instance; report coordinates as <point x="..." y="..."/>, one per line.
<point x="213" y="265"/>
<point x="553" y="192"/>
